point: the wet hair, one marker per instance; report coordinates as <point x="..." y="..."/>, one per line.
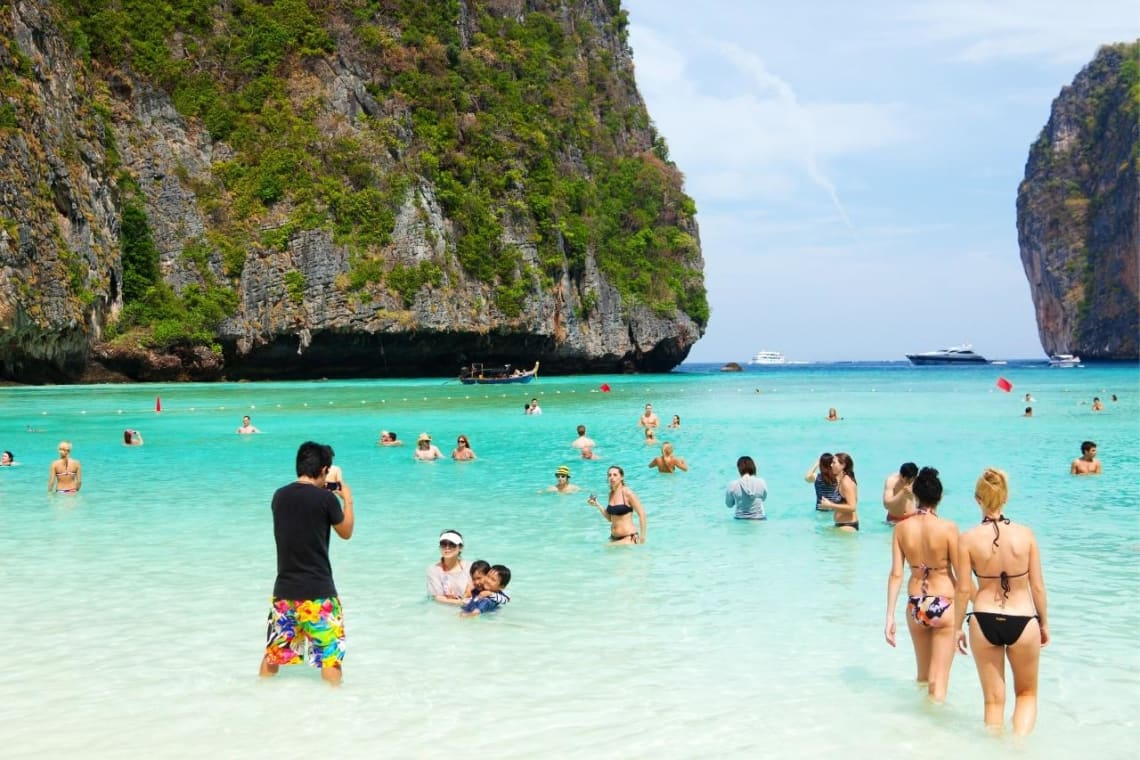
<point x="650" y="433"/>
<point x="677" y="418"/>
<point x="745" y="466"/>
<point x="992" y="489"/>
<point x="1029" y="410"/>
<point x="581" y="430"/>
<point x="927" y="487"/>
<point x="1085" y="446"/>
<point x="127" y="435"/>
<point x="666" y="448"/>
<point x="313" y="458"/>
<point x="825" y="467"/>
<point x="11" y="456"/>
<point x="503" y="572"/>
<point x="909" y="470"/>
<point x="620" y="471"/>
<point x="848" y="464"/>
<point x="480" y="566"/>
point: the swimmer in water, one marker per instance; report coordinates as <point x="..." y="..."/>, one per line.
<point x="247" y="427"/>
<point x="132" y="438"/>
<point x="620" y="508"/>
<point x="7" y="459"/>
<point x="667" y="462"/>
<point x="66" y="474"/>
<point x="562" y="482"/>
<point x="1087" y="463"/>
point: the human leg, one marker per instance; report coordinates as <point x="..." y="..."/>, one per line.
<point x="323" y="624"/>
<point x="920" y="637"/>
<point x="1024" y="657"/>
<point x="282" y="646"/>
<point x="943" y="641"/>
<point x="990" y="662"/>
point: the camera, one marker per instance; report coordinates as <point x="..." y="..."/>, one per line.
<point x="333" y="485"/>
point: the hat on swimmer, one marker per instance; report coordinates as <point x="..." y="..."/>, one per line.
<point x="452" y="536"/>
<point x="563" y="470"/>
<point x="423" y="437"/>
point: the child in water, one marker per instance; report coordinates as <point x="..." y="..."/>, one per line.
<point x="478" y="570"/>
<point x="492" y="596"/>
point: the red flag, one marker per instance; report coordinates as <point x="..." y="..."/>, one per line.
<point x="157" y="403"/>
<point x="1004" y="384"/>
<point x="605" y="387"/>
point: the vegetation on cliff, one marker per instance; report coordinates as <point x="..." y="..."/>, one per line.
<point x="1078" y="211"/>
<point x="512" y="111"/>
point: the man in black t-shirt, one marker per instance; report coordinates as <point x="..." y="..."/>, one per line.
<point x="305" y="619"/>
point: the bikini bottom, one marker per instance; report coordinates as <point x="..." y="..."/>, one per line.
<point x="634" y="536"/>
<point x="854" y="525"/>
<point x="928" y="610"/>
<point x="1000" y="629"/>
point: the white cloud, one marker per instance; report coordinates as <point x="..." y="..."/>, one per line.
<point x="1057" y="31"/>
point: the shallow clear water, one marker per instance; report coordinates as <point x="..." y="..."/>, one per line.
<point x="136" y="610"/>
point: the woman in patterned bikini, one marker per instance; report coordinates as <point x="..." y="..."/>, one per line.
<point x="929" y="545"/>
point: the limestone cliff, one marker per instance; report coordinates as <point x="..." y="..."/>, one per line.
<point x="1078" y="212"/>
<point x="307" y="188"/>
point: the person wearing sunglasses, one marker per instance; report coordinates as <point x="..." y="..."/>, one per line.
<point x="462" y="450"/>
<point x="562" y="482"/>
<point x="448" y="579"/>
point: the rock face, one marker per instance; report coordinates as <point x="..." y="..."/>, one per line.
<point x="1078" y="212"/>
<point x="320" y="292"/>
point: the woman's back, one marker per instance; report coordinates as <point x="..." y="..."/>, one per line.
<point x="1001" y="554"/>
<point x="929" y="545"/>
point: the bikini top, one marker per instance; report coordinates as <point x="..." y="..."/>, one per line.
<point x="926" y="571"/>
<point x="617" y="510"/>
<point x="1004" y="577"/>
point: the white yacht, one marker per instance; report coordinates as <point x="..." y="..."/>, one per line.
<point x="767" y="357"/>
<point x="963" y="354"/>
<point x="1064" y="360"/>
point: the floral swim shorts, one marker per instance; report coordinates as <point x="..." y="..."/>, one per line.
<point x="315" y="625"/>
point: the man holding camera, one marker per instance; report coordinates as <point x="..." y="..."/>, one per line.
<point x="305" y="620"/>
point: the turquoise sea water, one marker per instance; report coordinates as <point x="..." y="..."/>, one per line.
<point x="135" y="611"/>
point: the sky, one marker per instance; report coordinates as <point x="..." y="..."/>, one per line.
<point x="855" y="164"/>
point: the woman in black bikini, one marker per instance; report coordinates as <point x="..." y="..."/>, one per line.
<point x="1009" y="618"/>
<point x="622" y="505"/>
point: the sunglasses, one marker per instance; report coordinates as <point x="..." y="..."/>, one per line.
<point x="447" y="545"/>
<point x="462" y="441"/>
<point x="561" y="476"/>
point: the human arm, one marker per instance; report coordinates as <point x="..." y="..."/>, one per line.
<point x="78" y="474"/>
<point x="1096" y="468"/>
<point x="1074" y="469"/>
<point x="681" y="464"/>
<point x="345" y="526"/>
<point x="810" y="476"/>
<point x="1037" y="588"/>
<point x="894" y="584"/>
<point x="963" y="569"/>
<point x="593" y="502"/>
<point x="632" y="500"/>
<point x="53" y="476"/>
<point x="896" y="496"/>
<point x="730" y="494"/>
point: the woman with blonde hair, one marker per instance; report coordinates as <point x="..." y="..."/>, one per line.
<point x="1009" y="620"/>
<point x="929" y="545"/>
<point x="668" y="461"/>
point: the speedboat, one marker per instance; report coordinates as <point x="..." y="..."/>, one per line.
<point x="767" y="357"/>
<point x="1064" y="360"/>
<point x="963" y="354"/>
